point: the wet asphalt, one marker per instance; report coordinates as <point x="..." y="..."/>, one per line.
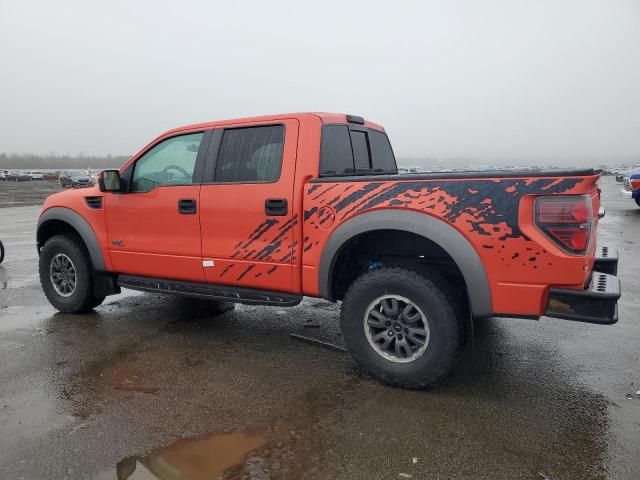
<point x="159" y="387"/>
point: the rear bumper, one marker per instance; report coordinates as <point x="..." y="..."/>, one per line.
<point x="598" y="301"/>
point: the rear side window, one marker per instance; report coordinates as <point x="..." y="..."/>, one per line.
<point x="381" y="152"/>
<point x="335" y="151"/>
<point x="361" y="157"/>
<point x="348" y="151"/>
<point x="250" y="154"/>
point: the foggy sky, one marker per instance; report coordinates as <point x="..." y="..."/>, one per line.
<point x="506" y="80"/>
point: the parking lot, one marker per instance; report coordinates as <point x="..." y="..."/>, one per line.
<point x="164" y="385"/>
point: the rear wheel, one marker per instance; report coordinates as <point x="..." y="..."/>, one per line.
<point x="400" y="327"/>
<point x="637" y="199"/>
<point x="66" y="275"/>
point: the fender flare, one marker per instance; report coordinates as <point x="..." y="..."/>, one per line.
<point x="441" y="233"/>
<point x="75" y="220"/>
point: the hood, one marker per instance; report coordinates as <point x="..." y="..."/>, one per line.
<point x="69" y="198"/>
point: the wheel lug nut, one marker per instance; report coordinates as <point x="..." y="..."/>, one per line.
<point x="399" y="336"/>
<point x="406" y="330"/>
<point x="390" y="333"/>
<point x="388" y="324"/>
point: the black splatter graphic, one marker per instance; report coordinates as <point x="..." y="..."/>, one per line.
<point x="227" y="269"/>
<point x="255" y="235"/>
<point x="488" y="202"/>
<point x="309" y="213"/>
<point x="313" y="188"/>
<point x="357" y="195"/>
<point x="246" y="270"/>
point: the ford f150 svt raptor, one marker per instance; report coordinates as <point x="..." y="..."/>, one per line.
<point x="266" y="210"/>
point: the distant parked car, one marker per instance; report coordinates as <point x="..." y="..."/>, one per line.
<point x="17" y="177"/>
<point x="50" y="176"/>
<point x="632" y="187"/>
<point x="619" y="177"/>
<point x="3" y="174"/>
<point x="35" y="175"/>
<point x="64" y="178"/>
<point x="74" y="180"/>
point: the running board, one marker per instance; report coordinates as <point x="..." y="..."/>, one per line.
<point x="227" y="293"/>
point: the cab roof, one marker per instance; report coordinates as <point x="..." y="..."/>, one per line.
<point x="323" y="116"/>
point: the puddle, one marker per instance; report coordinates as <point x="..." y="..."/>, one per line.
<point x="191" y="459"/>
<point x="130" y="379"/>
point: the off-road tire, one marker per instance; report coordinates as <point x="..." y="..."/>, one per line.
<point x="429" y="293"/>
<point x="82" y="299"/>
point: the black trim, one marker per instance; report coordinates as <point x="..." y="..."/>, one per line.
<point x="105" y="284"/>
<point x="276" y="207"/>
<point x="75" y="220"/>
<point x="94" y="202"/>
<point x="465" y="174"/>
<point x="249" y="296"/>
<point x="606" y="260"/>
<point x="597" y="303"/>
<point x="498" y="316"/>
<point x="212" y="156"/>
<point x="187" y="206"/>
<point x="201" y="158"/>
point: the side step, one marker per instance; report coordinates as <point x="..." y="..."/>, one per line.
<point x="208" y="291"/>
<point x="606" y="260"/>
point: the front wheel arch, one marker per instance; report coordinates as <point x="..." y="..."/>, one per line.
<point x="58" y="220"/>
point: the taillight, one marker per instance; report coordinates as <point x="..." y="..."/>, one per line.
<point x="566" y="220"/>
<point x="635" y="183"/>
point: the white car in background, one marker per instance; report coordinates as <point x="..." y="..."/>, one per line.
<point x="35" y="175"/>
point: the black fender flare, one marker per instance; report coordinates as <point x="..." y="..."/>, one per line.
<point x="75" y="220"/>
<point x="438" y="231"/>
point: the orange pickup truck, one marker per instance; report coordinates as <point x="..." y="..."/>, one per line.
<point x="267" y="210"/>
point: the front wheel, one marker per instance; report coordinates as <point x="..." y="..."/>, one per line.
<point x="66" y="275"/>
<point x="400" y="327"/>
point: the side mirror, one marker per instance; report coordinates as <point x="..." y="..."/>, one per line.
<point x="109" y="181"/>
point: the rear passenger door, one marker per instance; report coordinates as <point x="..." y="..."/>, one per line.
<point x="247" y="217"/>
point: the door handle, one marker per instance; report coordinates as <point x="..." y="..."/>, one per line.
<point x="187" y="206"/>
<point x="276" y="207"/>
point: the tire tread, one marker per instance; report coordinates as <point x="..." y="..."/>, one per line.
<point x="436" y="289"/>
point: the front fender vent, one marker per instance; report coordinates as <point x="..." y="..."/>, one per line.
<point x="94" y="202"/>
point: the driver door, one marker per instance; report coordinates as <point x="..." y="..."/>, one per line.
<point x="153" y="229"/>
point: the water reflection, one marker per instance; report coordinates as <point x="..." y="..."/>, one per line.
<point x="202" y="459"/>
